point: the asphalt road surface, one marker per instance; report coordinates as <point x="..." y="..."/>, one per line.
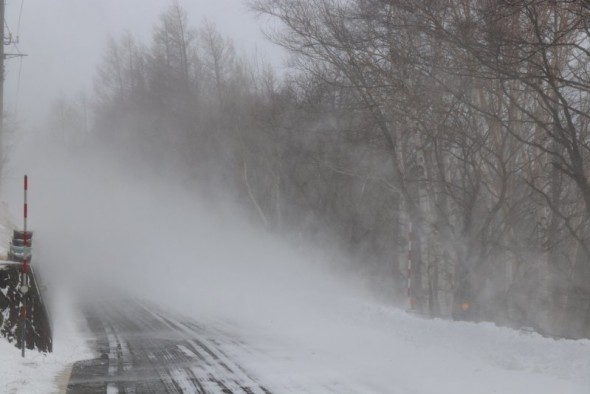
<point x="146" y="350"/>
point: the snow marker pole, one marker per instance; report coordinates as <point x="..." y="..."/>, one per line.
<point x="409" y="284"/>
<point x="25" y="276"/>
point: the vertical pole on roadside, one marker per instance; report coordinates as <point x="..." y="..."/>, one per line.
<point x="24" y="281"/>
<point x="409" y="284"/>
<point x="2" y="75"/>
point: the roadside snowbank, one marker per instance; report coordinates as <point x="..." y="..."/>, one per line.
<point x="37" y="373"/>
<point x="374" y="349"/>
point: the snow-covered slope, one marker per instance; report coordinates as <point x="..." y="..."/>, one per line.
<point x="374" y="349"/>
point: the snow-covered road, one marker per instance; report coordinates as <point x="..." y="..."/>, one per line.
<point x="143" y="348"/>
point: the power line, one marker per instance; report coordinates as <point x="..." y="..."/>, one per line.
<point x="17" y="96"/>
<point x="20" y="60"/>
<point x="13" y="41"/>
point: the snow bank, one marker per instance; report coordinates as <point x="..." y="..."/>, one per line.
<point x="364" y="348"/>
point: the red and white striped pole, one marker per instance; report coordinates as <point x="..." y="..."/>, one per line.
<point x="24" y="282"/>
<point x="409" y="284"/>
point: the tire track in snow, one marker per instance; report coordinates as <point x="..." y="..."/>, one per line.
<point x="149" y="351"/>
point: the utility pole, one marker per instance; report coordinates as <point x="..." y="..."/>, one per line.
<point x="24" y="286"/>
<point x="2" y="76"/>
<point x="4" y="40"/>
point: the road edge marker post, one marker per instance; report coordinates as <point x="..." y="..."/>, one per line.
<point x="24" y="282"/>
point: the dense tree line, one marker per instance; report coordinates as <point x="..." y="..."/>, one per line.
<point x="465" y="119"/>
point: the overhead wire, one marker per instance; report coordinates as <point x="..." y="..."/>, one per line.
<point x="20" y="60"/>
<point x="7" y="27"/>
<point x="20" y="15"/>
<point x="14" y="40"/>
<point x="20" y="71"/>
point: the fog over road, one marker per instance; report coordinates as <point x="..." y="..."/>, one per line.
<point x="145" y="350"/>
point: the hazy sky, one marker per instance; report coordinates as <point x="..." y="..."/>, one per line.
<point x="65" y="40"/>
